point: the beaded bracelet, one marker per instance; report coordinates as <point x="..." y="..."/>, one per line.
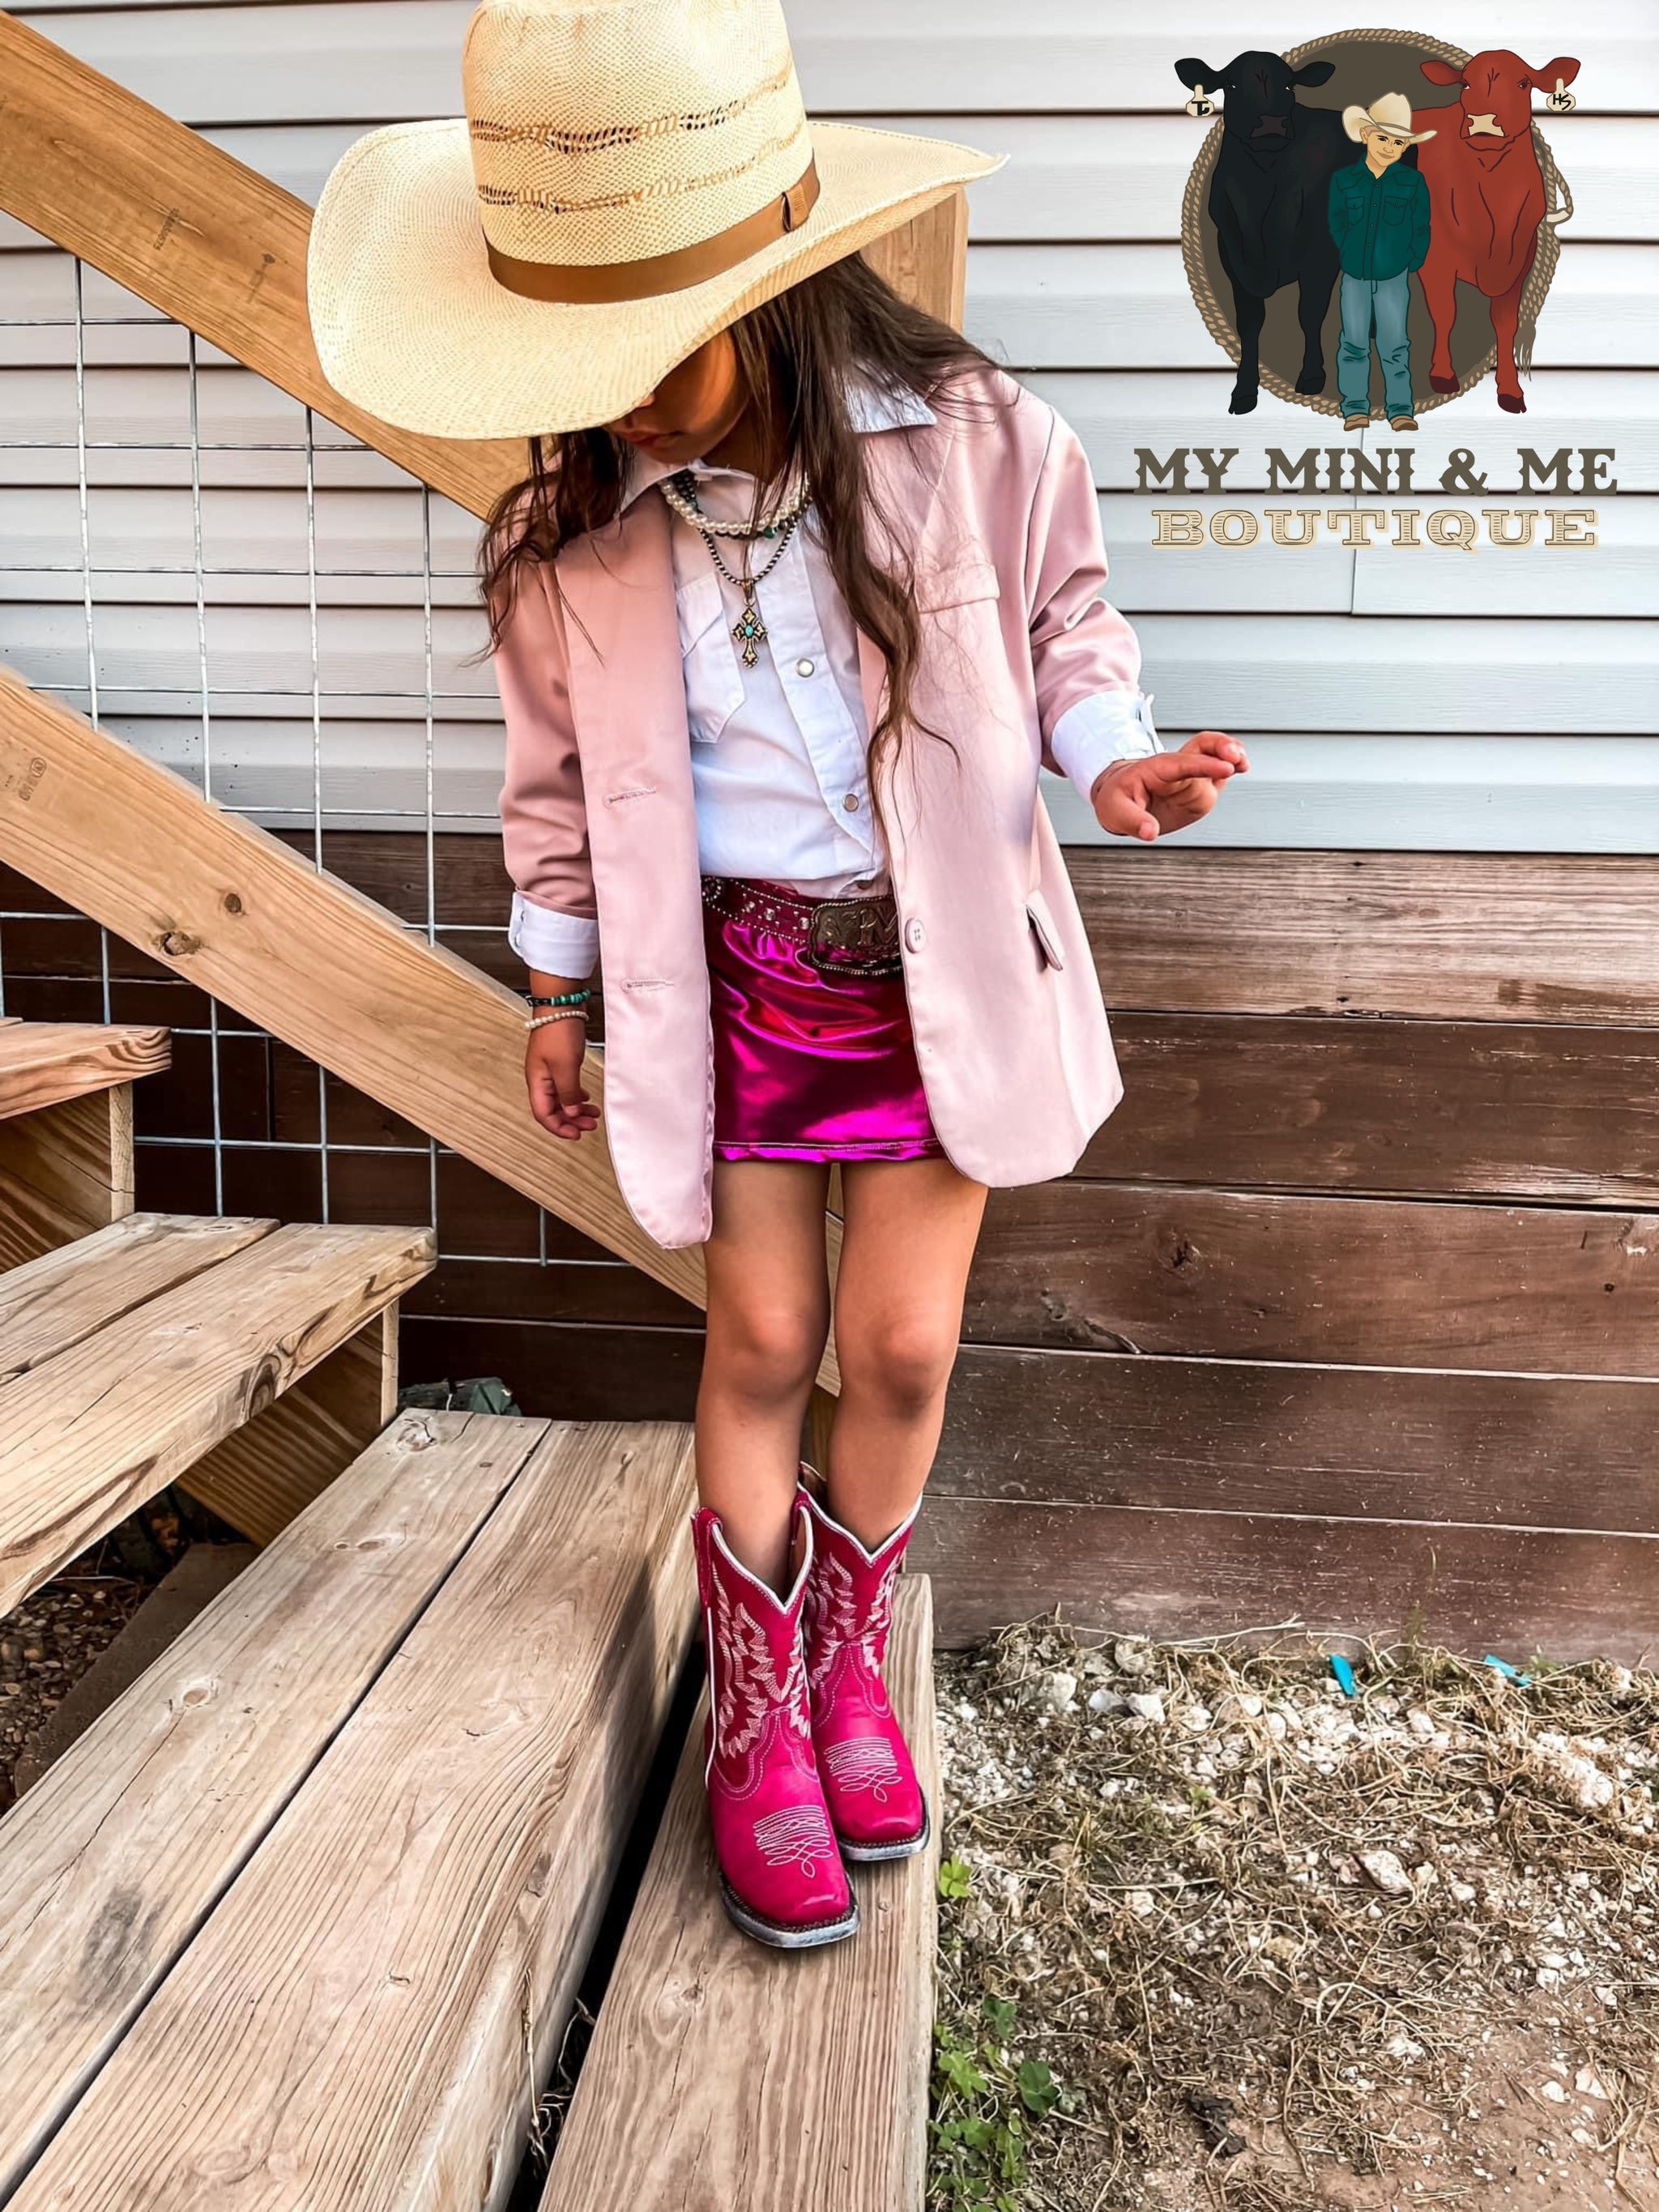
<point x="561" y="999"/>
<point x="564" y="1014"/>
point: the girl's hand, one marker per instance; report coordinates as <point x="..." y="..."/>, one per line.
<point x="553" y="1076"/>
<point x="1166" y="791"/>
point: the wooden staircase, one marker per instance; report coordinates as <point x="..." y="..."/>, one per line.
<point x="299" y="1920"/>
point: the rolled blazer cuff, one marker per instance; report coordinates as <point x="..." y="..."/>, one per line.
<point x="556" y="944"/>
<point x="1107" y="726"/>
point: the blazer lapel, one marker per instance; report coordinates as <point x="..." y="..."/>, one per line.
<point x="628" y="690"/>
<point x="906" y="472"/>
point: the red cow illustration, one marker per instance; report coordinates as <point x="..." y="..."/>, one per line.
<point x="1486" y="200"/>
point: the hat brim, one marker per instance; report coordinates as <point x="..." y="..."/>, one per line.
<point x="1356" y="121"/>
<point x="410" y="325"/>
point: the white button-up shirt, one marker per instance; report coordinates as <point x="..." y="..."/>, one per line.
<point x="778" y="768"/>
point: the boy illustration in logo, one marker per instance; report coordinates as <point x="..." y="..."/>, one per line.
<point x="1379" y="218"/>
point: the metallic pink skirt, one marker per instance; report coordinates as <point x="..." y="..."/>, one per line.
<point x="808" y="1067"/>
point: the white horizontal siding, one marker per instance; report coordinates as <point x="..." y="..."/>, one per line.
<point x="1035" y="306"/>
<point x="1115" y="413"/>
<point x="1449" y="674"/>
<point x="142" y="544"/>
<point x="380" y="60"/>
<point x="1067" y="177"/>
<point x="139" y="425"/>
<point x="1498" y="700"/>
<point x="1404" y="793"/>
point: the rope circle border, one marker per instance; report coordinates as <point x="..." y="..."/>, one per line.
<point x="1218" y="323"/>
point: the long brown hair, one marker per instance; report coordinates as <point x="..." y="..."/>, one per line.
<point x="797" y="356"/>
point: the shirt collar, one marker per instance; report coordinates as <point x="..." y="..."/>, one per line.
<point x="870" y="407"/>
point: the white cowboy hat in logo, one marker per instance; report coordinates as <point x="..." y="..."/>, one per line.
<point x="631" y="176"/>
<point x="1392" y="114"/>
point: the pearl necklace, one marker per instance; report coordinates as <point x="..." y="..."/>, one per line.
<point x="749" y="630"/>
<point x="680" y="493"/>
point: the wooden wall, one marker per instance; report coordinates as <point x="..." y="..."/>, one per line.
<point x="1351" y="1312"/>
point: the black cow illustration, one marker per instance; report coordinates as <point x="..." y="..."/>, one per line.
<point x="1267" y="201"/>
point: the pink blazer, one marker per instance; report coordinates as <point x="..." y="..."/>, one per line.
<point x="597" y="813"/>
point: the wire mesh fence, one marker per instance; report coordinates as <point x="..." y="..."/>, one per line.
<point x="232" y="585"/>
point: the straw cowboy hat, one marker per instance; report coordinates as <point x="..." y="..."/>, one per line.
<point x="631" y="176"/>
<point x="1392" y="114"/>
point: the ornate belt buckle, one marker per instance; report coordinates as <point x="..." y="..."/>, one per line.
<point x="854" y="937"/>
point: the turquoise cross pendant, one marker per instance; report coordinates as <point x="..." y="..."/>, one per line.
<point x="749" y="630"/>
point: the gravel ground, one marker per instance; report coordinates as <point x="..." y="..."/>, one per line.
<point x="1216" y="1933"/>
<point x="48" y="1641"/>
<point x="47" y="1644"/>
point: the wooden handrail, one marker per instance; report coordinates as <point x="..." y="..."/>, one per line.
<point x="222" y="249"/>
<point x="198" y="234"/>
<point x="228" y="907"/>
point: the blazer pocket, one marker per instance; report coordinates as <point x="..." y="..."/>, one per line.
<point x="971" y="577"/>
<point x="1043" y="922"/>
<point x="714" y="681"/>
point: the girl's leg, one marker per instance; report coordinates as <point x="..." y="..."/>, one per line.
<point x="767" y="1322"/>
<point x="910" y="1230"/>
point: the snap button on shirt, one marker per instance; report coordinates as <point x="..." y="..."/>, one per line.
<point x="851" y="802"/>
<point x="804" y="667"/>
<point x="914" y="935"/>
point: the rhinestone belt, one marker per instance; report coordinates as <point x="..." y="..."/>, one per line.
<point x="841" y="936"/>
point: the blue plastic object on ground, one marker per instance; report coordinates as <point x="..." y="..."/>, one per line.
<point x="1344" y="1673"/>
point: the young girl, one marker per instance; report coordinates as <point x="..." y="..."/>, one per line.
<point x="798" y="594"/>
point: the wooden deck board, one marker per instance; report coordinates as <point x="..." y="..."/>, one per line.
<point x="1265" y="1438"/>
<point x="111" y="1861"/>
<point x="727" y="2077"/>
<point x="63" y="1298"/>
<point x="43" y="1063"/>
<point x="1507" y="937"/>
<point x="88" y="1436"/>
<point x="1271" y="1275"/>
<point x="348" y="2029"/>
<point x="1562" y="1592"/>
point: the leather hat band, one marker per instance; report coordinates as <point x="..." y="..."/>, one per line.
<point x="598" y="284"/>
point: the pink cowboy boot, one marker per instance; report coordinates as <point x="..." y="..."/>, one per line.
<point x="781" y="1877"/>
<point x="875" y="1800"/>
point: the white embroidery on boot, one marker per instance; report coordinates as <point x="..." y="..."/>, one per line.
<point x="832" y="1615"/>
<point x="863" y="1762"/>
<point x="834" y="1627"/>
<point x="749" y="1688"/>
<point x="799" y="1836"/>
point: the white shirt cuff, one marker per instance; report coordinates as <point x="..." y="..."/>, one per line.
<point x="553" y="943"/>
<point x="1107" y="726"/>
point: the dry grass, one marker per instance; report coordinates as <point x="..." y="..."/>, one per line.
<point x="1290" y="1950"/>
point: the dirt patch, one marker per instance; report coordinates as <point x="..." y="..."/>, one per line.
<point x="47" y="1644"/>
<point x="1217" y="1934"/>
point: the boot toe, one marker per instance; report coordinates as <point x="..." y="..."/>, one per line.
<point x="782" y="1874"/>
<point x="895" y="1836"/>
<point x="875" y="1800"/>
<point x="793" y="1915"/>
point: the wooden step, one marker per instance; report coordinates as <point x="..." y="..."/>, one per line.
<point x="44" y="1063"/>
<point x="353" y="2026"/>
<point x="57" y="1301"/>
<point x="727" y="2077"/>
<point x="88" y="1434"/>
<point x="121" y="1850"/>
